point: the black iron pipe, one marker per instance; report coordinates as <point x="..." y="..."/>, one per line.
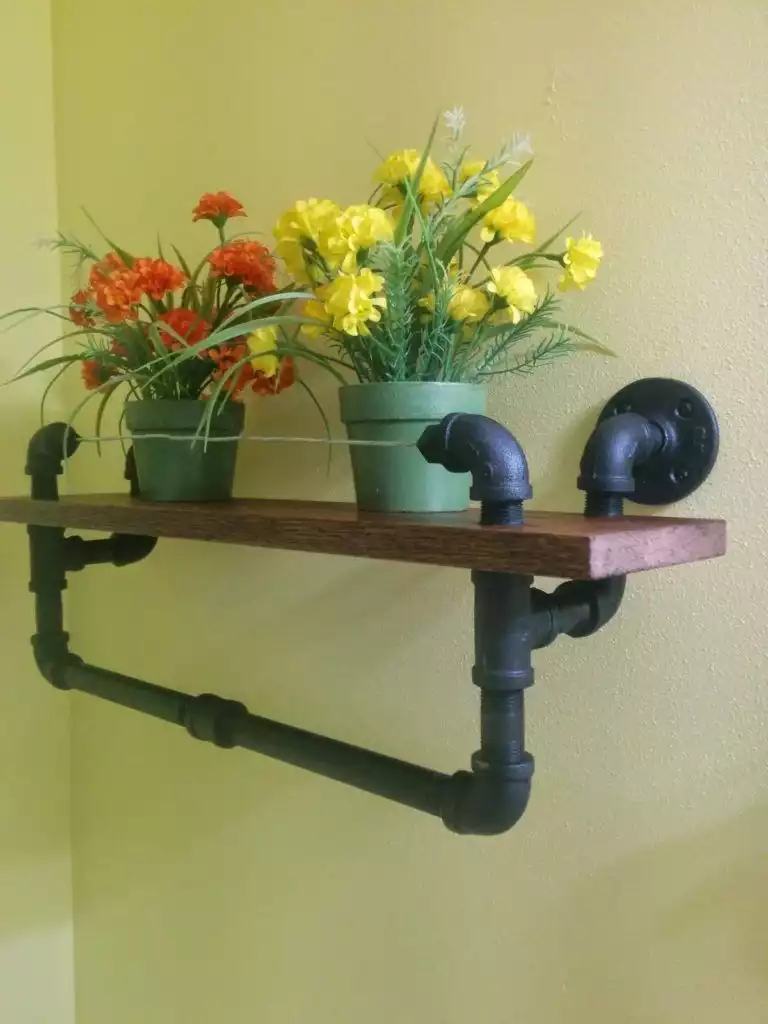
<point x="228" y="723"/>
<point x="486" y="801"/>
<point x="408" y="784"/>
<point x="47" y="449"/>
<point x="466" y="443"/>
<point x="482" y="802"/>
<point x="494" y="796"/>
<point x="615" y="447"/>
<point x="576" y="608"/>
<point x="157" y="701"/>
<point x="118" y="549"/>
<point x="502" y="727"/>
<point x="502" y="631"/>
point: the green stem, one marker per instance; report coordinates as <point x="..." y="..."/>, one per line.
<point x="481" y="254"/>
<point x="480" y="258"/>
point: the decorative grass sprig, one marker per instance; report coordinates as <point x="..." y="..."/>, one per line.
<point x="137" y="323"/>
<point x="423" y="285"/>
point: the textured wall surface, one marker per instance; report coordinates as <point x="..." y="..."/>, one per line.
<point x="36" y="985"/>
<point x="219" y="886"/>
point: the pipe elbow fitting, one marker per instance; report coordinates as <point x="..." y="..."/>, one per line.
<point x="485" y="803"/>
<point x="468" y="443"/>
<point x="128" y="548"/>
<point x="48" y="448"/>
<point x="53" y="658"/>
<point x="576" y="608"/>
<point x="600" y="598"/>
<point x="616" y="446"/>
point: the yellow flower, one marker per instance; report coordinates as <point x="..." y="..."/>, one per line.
<point x="398" y="166"/>
<point x="300" y="225"/>
<point x="433" y="185"/>
<point x="356" y="228"/>
<point x="427" y="302"/>
<point x="262" y="344"/>
<point x="514" y="289"/>
<point x="350" y="303"/>
<point x="488" y="182"/>
<point x="511" y="221"/>
<point x="468" y="304"/>
<point x="581" y="258"/>
<point x="315" y="310"/>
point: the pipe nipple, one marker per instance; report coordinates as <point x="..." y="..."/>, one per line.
<point x="603" y="504"/>
<point x="501" y="513"/>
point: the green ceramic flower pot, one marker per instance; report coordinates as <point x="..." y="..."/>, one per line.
<point x="180" y="470"/>
<point x="398" y="479"/>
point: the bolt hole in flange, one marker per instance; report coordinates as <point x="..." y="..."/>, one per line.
<point x="691" y="437"/>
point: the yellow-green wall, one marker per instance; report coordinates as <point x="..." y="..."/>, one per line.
<point x="213" y="886"/>
<point x="36" y="985"/>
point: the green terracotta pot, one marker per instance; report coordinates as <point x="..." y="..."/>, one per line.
<point x="171" y="470"/>
<point x="398" y="479"/>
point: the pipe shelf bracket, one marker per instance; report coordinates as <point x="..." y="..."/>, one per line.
<point x="649" y="434"/>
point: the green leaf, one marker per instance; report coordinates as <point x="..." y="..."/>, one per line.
<point x="297" y="350"/>
<point x="223" y="333"/>
<point x="553" y="238"/>
<point x="591" y="344"/>
<point x="316" y="402"/>
<point x="47" y="364"/>
<point x="208" y="299"/>
<point x="57" y="341"/>
<point x="182" y="262"/>
<point x="124" y="255"/>
<point x="461" y="228"/>
<point x="47" y="390"/>
<point x="405" y="222"/>
<point x="108" y="392"/>
<point x="32" y="312"/>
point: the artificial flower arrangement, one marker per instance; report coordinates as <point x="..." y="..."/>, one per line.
<point x="132" y="316"/>
<point x="416" y="294"/>
<point x="425" y="293"/>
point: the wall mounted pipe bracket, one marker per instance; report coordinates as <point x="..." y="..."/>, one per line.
<point x="656" y="441"/>
<point x="512" y="618"/>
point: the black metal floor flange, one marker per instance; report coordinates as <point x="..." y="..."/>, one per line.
<point x="511" y="620"/>
<point x="690" y="437"/>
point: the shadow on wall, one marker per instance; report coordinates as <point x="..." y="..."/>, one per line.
<point x="34" y="746"/>
<point x="642" y="941"/>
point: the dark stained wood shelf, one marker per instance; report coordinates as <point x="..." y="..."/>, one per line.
<point x="549" y="544"/>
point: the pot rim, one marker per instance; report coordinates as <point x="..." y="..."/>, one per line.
<point x="415" y="401"/>
<point x="178" y="415"/>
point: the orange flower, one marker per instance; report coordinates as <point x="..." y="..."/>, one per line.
<point x="112" y="261"/>
<point x="158" y="277"/>
<point x="217" y="207"/>
<point x="116" y="288"/>
<point x="78" y="313"/>
<point x="225" y="357"/>
<point x="187" y="324"/>
<point x="94" y="374"/>
<point x="117" y="295"/>
<point x="283" y="379"/>
<point x="246" y="263"/>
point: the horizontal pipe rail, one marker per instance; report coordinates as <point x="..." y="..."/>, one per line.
<point x="228" y="723"/>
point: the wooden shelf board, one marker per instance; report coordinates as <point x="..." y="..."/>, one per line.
<point x="549" y="544"/>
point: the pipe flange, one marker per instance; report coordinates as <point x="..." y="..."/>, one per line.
<point x="691" y="437"/>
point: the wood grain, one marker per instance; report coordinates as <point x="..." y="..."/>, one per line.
<point x="549" y="544"/>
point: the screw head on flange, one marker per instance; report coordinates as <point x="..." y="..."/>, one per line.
<point x="691" y="437"/>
